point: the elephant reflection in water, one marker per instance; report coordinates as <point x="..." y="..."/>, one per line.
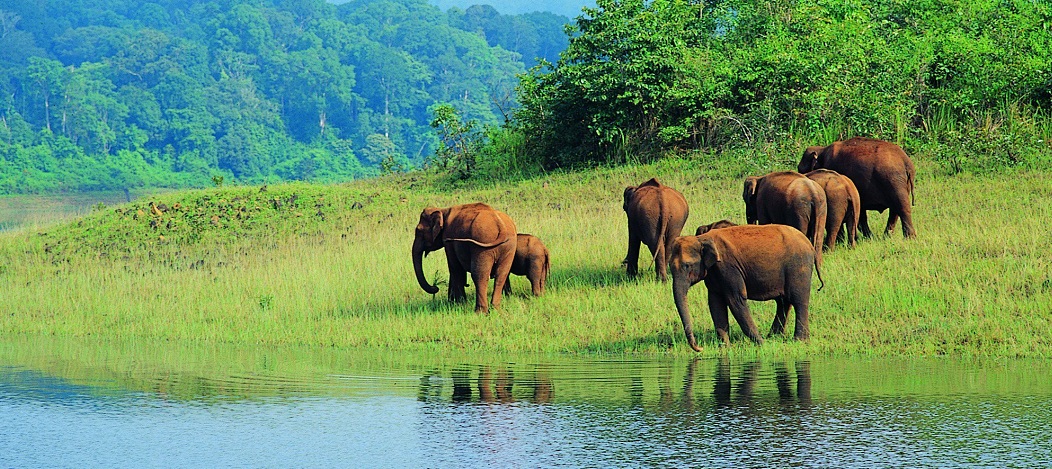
<point x="745" y="390"/>
<point x="493" y="386"/>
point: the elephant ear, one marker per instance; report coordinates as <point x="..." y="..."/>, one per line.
<point x="710" y="254"/>
<point x="437" y="222"/>
<point x="809" y="162"/>
<point x="749" y="189"/>
<point x="629" y="193"/>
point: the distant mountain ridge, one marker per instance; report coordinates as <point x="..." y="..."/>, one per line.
<point x="568" y="8"/>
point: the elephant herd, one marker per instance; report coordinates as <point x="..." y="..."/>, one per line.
<point x="770" y="258"/>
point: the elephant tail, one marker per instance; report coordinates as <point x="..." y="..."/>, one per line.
<point x="821" y="283"/>
<point x="909" y="182"/>
<point x="815" y="228"/>
<point x="547" y="266"/>
<point x="659" y="252"/>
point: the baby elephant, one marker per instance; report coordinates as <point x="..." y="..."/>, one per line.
<point x="714" y="226"/>
<point x="531" y="260"/>
<point x="739" y="263"/>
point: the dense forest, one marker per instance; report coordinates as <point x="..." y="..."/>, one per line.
<point x="964" y="82"/>
<point x="126" y="93"/>
<point x="112" y="94"/>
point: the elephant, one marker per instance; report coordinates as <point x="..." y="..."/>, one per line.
<point x="531" y="260"/>
<point x="842" y="205"/>
<point x="739" y="263"/>
<point x="882" y="172"/>
<point x="477" y="239"/>
<point x="656" y="215"/>
<point x="787" y="198"/>
<point x="714" y="226"/>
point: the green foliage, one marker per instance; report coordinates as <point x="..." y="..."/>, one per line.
<point x="645" y="77"/>
<point x="461" y="141"/>
<point x="109" y="94"/>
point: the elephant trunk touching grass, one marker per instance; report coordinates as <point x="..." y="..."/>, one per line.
<point x="418" y="265"/>
<point x="477" y="239"/>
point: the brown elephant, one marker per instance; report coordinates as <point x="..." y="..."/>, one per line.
<point x="477" y="239"/>
<point x="842" y="205"/>
<point x="656" y="215"/>
<point x="531" y="260"/>
<point x="714" y="226"/>
<point x="787" y="198"/>
<point x="883" y="174"/>
<point x="766" y="262"/>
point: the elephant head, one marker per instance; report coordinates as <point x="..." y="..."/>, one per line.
<point x="428" y="238"/>
<point x="749" y="197"/>
<point x="811" y="160"/>
<point x="630" y="191"/>
<point x="714" y="226"/>
<point x="692" y="258"/>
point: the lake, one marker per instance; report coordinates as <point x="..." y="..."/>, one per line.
<point x="81" y="404"/>
<point x="33" y="211"/>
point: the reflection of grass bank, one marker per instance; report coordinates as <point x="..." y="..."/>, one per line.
<point x="222" y="372"/>
<point x="330" y="265"/>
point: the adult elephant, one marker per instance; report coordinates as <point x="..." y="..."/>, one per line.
<point x="656" y="215"/>
<point x="477" y="239"/>
<point x="883" y="174"/>
<point x="740" y="263"/>
<point x="842" y="204"/>
<point x="787" y="198"/>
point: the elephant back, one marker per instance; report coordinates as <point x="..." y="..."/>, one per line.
<point x="481" y="224"/>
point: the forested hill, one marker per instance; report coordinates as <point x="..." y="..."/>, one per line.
<point x="568" y="8"/>
<point x="112" y="94"/>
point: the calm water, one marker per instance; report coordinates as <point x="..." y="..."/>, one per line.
<point x="134" y="405"/>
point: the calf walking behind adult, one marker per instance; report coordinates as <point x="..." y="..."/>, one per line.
<point x="477" y="239"/>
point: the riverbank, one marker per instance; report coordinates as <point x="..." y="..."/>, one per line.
<point x="313" y="265"/>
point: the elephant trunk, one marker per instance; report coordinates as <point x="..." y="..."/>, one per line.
<point x="418" y="265"/>
<point x="680" y="285"/>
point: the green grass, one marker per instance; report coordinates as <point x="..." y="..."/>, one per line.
<point x="313" y="265"/>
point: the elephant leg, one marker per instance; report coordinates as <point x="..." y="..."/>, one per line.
<point x="863" y="224"/>
<point x="507" y="286"/>
<point x="906" y="212"/>
<point x="740" y="309"/>
<point x="780" y="316"/>
<point x="907" y="224"/>
<point x="833" y="224"/>
<point x="502" y="264"/>
<point x="893" y="219"/>
<point x="537" y="283"/>
<point x="480" y="274"/>
<point x="803" y="325"/>
<point x="632" y="258"/>
<point x="718" y="311"/>
<point x="457" y="277"/>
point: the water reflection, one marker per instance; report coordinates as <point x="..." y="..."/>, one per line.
<point x="323" y="408"/>
<point x="486" y="384"/>
<point x="744" y="387"/>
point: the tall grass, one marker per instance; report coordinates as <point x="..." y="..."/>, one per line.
<point x="976" y="282"/>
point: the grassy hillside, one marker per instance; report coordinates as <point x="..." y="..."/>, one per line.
<point x="330" y="266"/>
